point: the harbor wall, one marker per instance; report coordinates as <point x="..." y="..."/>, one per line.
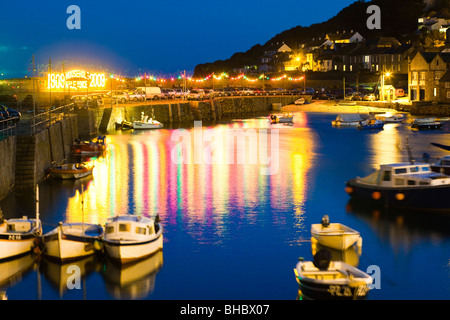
<point x="7" y="165"/>
<point x="35" y="153"/>
<point x="169" y="112"/>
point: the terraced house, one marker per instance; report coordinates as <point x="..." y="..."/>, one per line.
<point x="425" y="72"/>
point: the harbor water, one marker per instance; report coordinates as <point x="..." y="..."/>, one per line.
<point x="237" y="212"/>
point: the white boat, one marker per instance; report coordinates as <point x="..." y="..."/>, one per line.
<point x="299" y="101"/>
<point x="129" y="237"/>
<point x="334" y="235"/>
<point x="348" y="120"/>
<point x="147" y="123"/>
<point x="328" y="280"/>
<point x="391" y="118"/>
<point x="286" y="118"/>
<point x="20" y="235"/>
<point x="70" y="241"/>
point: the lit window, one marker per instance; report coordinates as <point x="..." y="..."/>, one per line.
<point x="109" y="229"/>
<point x="140" y="230"/>
<point x="124" y="227"/>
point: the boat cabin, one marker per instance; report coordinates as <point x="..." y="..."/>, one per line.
<point x="405" y="175"/>
<point x="130" y="228"/>
<point x="20" y="225"/>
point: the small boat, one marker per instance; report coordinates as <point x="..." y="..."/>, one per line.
<point x="124" y="125"/>
<point x="93" y="147"/>
<point x="370" y="124"/>
<point x="347" y="103"/>
<point x="334" y="235"/>
<point x="411" y="185"/>
<point x="442" y="165"/>
<point x="21" y="235"/>
<point x="427" y="124"/>
<point x="391" y="118"/>
<point x="147" y="123"/>
<point x="348" y="120"/>
<point x="286" y="118"/>
<point x="129" y="237"/>
<point x="323" y="279"/>
<point x="69" y="241"/>
<point x="300" y="101"/>
<point x="70" y="171"/>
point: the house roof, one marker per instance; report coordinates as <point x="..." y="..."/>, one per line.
<point x="340" y="36"/>
<point x="445" y="77"/>
<point x="383" y="42"/>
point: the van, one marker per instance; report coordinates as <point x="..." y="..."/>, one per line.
<point x="150" y="92"/>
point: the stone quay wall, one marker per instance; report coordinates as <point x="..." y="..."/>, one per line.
<point x="7" y="165"/>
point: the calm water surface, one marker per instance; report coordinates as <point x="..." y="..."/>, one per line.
<point x="232" y="231"/>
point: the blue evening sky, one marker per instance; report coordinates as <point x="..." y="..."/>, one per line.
<point x="161" y="37"/>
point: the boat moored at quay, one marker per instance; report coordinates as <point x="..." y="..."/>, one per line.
<point x="404" y="185"/>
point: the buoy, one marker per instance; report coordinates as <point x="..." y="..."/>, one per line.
<point x="400" y="196"/>
<point x="348" y="189"/>
<point x="376" y="195"/>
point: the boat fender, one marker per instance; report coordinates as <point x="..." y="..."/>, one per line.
<point x="348" y="190"/>
<point x="400" y="196"/>
<point x="98" y="245"/>
<point x="376" y="195"/>
<point x="322" y="259"/>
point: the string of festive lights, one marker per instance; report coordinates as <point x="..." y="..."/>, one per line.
<point x="220" y="77"/>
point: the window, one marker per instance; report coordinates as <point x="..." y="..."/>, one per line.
<point x="414" y="169"/>
<point x="124" y="227"/>
<point x="386" y="176"/>
<point x="425" y="169"/>
<point x="367" y="59"/>
<point x="351" y="67"/>
<point x="423" y="183"/>
<point x="399" y="182"/>
<point x="109" y="229"/>
<point x="434" y="92"/>
<point x="411" y="183"/>
<point x="414" y="76"/>
<point x="422" y="75"/>
<point x="448" y="94"/>
<point x="400" y="170"/>
<point x="447" y="84"/>
<point x="140" y="230"/>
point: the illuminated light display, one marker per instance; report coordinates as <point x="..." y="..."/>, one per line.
<point x="75" y="79"/>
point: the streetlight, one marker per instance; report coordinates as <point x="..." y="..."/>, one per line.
<point x="383" y="75"/>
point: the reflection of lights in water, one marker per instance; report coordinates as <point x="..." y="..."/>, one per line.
<point x="148" y="174"/>
<point x="386" y="146"/>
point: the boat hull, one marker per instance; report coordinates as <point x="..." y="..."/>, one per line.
<point x="69" y="247"/>
<point x="69" y="174"/>
<point x="128" y="251"/>
<point x="146" y="126"/>
<point x="12" y="248"/>
<point x="427" y="126"/>
<point x="337" y="240"/>
<point x="420" y="198"/>
<point x="328" y="285"/>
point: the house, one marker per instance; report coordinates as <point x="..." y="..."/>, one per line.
<point x="344" y="37"/>
<point x="425" y="71"/>
<point x="444" y="88"/>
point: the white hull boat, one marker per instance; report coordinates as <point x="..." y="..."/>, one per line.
<point x="332" y="280"/>
<point x="299" y="101"/>
<point x="146" y="123"/>
<point x="128" y="238"/>
<point x="71" y="241"/>
<point x="19" y="236"/>
<point x="334" y="235"/>
<point x="70" y="171"/>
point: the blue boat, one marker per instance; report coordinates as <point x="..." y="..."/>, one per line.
<point x="370" y="124"/>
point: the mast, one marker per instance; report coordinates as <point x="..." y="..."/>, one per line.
<point x="37" y="206"/>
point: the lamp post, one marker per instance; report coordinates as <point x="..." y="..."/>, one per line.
<point x="383" y="75"/>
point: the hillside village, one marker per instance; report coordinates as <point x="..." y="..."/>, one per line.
<point x="418" y="63"/>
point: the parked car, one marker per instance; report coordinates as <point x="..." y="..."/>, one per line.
<point x="119" y="96"/>
<point x="166" y="94"/>
<point x="196" y="94"/>
<point x="248" y="92"/>
<point x="228" y="91"/>
<point x="82" y="101"/>
<point x="136" y="96"/>
<point x="369" y="97"/>
<point x="178" y="93"/>
<point x="218" y="93"/>
<point x="8" y="113"/>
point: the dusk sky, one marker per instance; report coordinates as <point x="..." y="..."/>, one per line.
<point x="158" y="37"/>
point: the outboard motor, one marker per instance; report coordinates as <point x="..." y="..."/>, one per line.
<point x="325" y="221"/>
<point x="322" y="259"/>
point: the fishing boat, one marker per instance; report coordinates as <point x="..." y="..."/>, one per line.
<point x="348" y="120"/>
<point x="129" y="237"/>
<point x="69" y="241"/>
<point x="334" y="235"/>
<point x="147" y="123"/>
<point x="442" y="165"/>
<point x="20" y="235"/>
<point x="411" y="185"/>
<point x="323" y="279"/>
<point x="286" y="118"/>
<point x="427" y="124"/>
<point x="93" y="147"/>
<point x="370" y="124"/>
<point x="300" y="101"/>
<point x="70" y="171"/>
